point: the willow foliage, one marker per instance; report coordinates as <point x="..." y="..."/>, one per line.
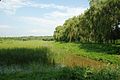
<point x="99" y="24"/>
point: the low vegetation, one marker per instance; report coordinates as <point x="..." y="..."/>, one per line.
<point x="44" y="60"/>
<point x="26" y="38"/>
<point x="23" y="56"/>
<point x="52" y="73"/>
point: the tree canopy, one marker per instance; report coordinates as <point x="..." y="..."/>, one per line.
<point x="99" y="24"/>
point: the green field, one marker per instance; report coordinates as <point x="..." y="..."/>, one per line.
<point x="49" y="60"/>
<point x="60" y="40"/>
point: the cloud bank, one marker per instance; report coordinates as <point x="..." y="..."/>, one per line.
<point x="49" y="20"/>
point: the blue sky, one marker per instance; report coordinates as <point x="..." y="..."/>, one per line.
<point x="36" y="17"/>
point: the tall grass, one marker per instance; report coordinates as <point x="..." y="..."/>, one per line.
<point x="28" y="60"/>
<point x="21" y="56"/>
<point x="100" y="52"/>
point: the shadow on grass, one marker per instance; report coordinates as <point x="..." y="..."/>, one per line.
<point x="102" y="48"/>
<point x="65" y="73"/>
<point x="21" y="56"/>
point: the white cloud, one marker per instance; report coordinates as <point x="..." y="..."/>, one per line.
<point x="59" y="17"/>
<point x="39" y="31"/>
<point x="36" y="5"/>
<point x="10" y="6"/>
<point x="44" y="25"/>
<point x="53" y="18"/>
<point x="69" y="12"/>
<point x="37" y="21"/>
<point x="4" y="27"/>
<point x="49" y="21"/>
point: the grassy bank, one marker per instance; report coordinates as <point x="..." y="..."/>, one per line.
<point x="99" y="52"/>
<point x="49" y="60"/>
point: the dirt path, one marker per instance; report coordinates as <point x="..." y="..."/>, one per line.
<point x="74" y="60"/>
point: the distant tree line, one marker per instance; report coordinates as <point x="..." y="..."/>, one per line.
<point x="99" y="24"/>
<point x="26" y="38"/>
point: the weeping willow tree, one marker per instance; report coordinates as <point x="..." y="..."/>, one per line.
<point x="99" y="24"/>
<point x="105" y="21"/>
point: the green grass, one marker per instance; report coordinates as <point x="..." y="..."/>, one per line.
<point x="24" y="56"/>
<point x="99" y="52"/>
<point x="43" y="60"/>
<point x="66" y="73"/>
